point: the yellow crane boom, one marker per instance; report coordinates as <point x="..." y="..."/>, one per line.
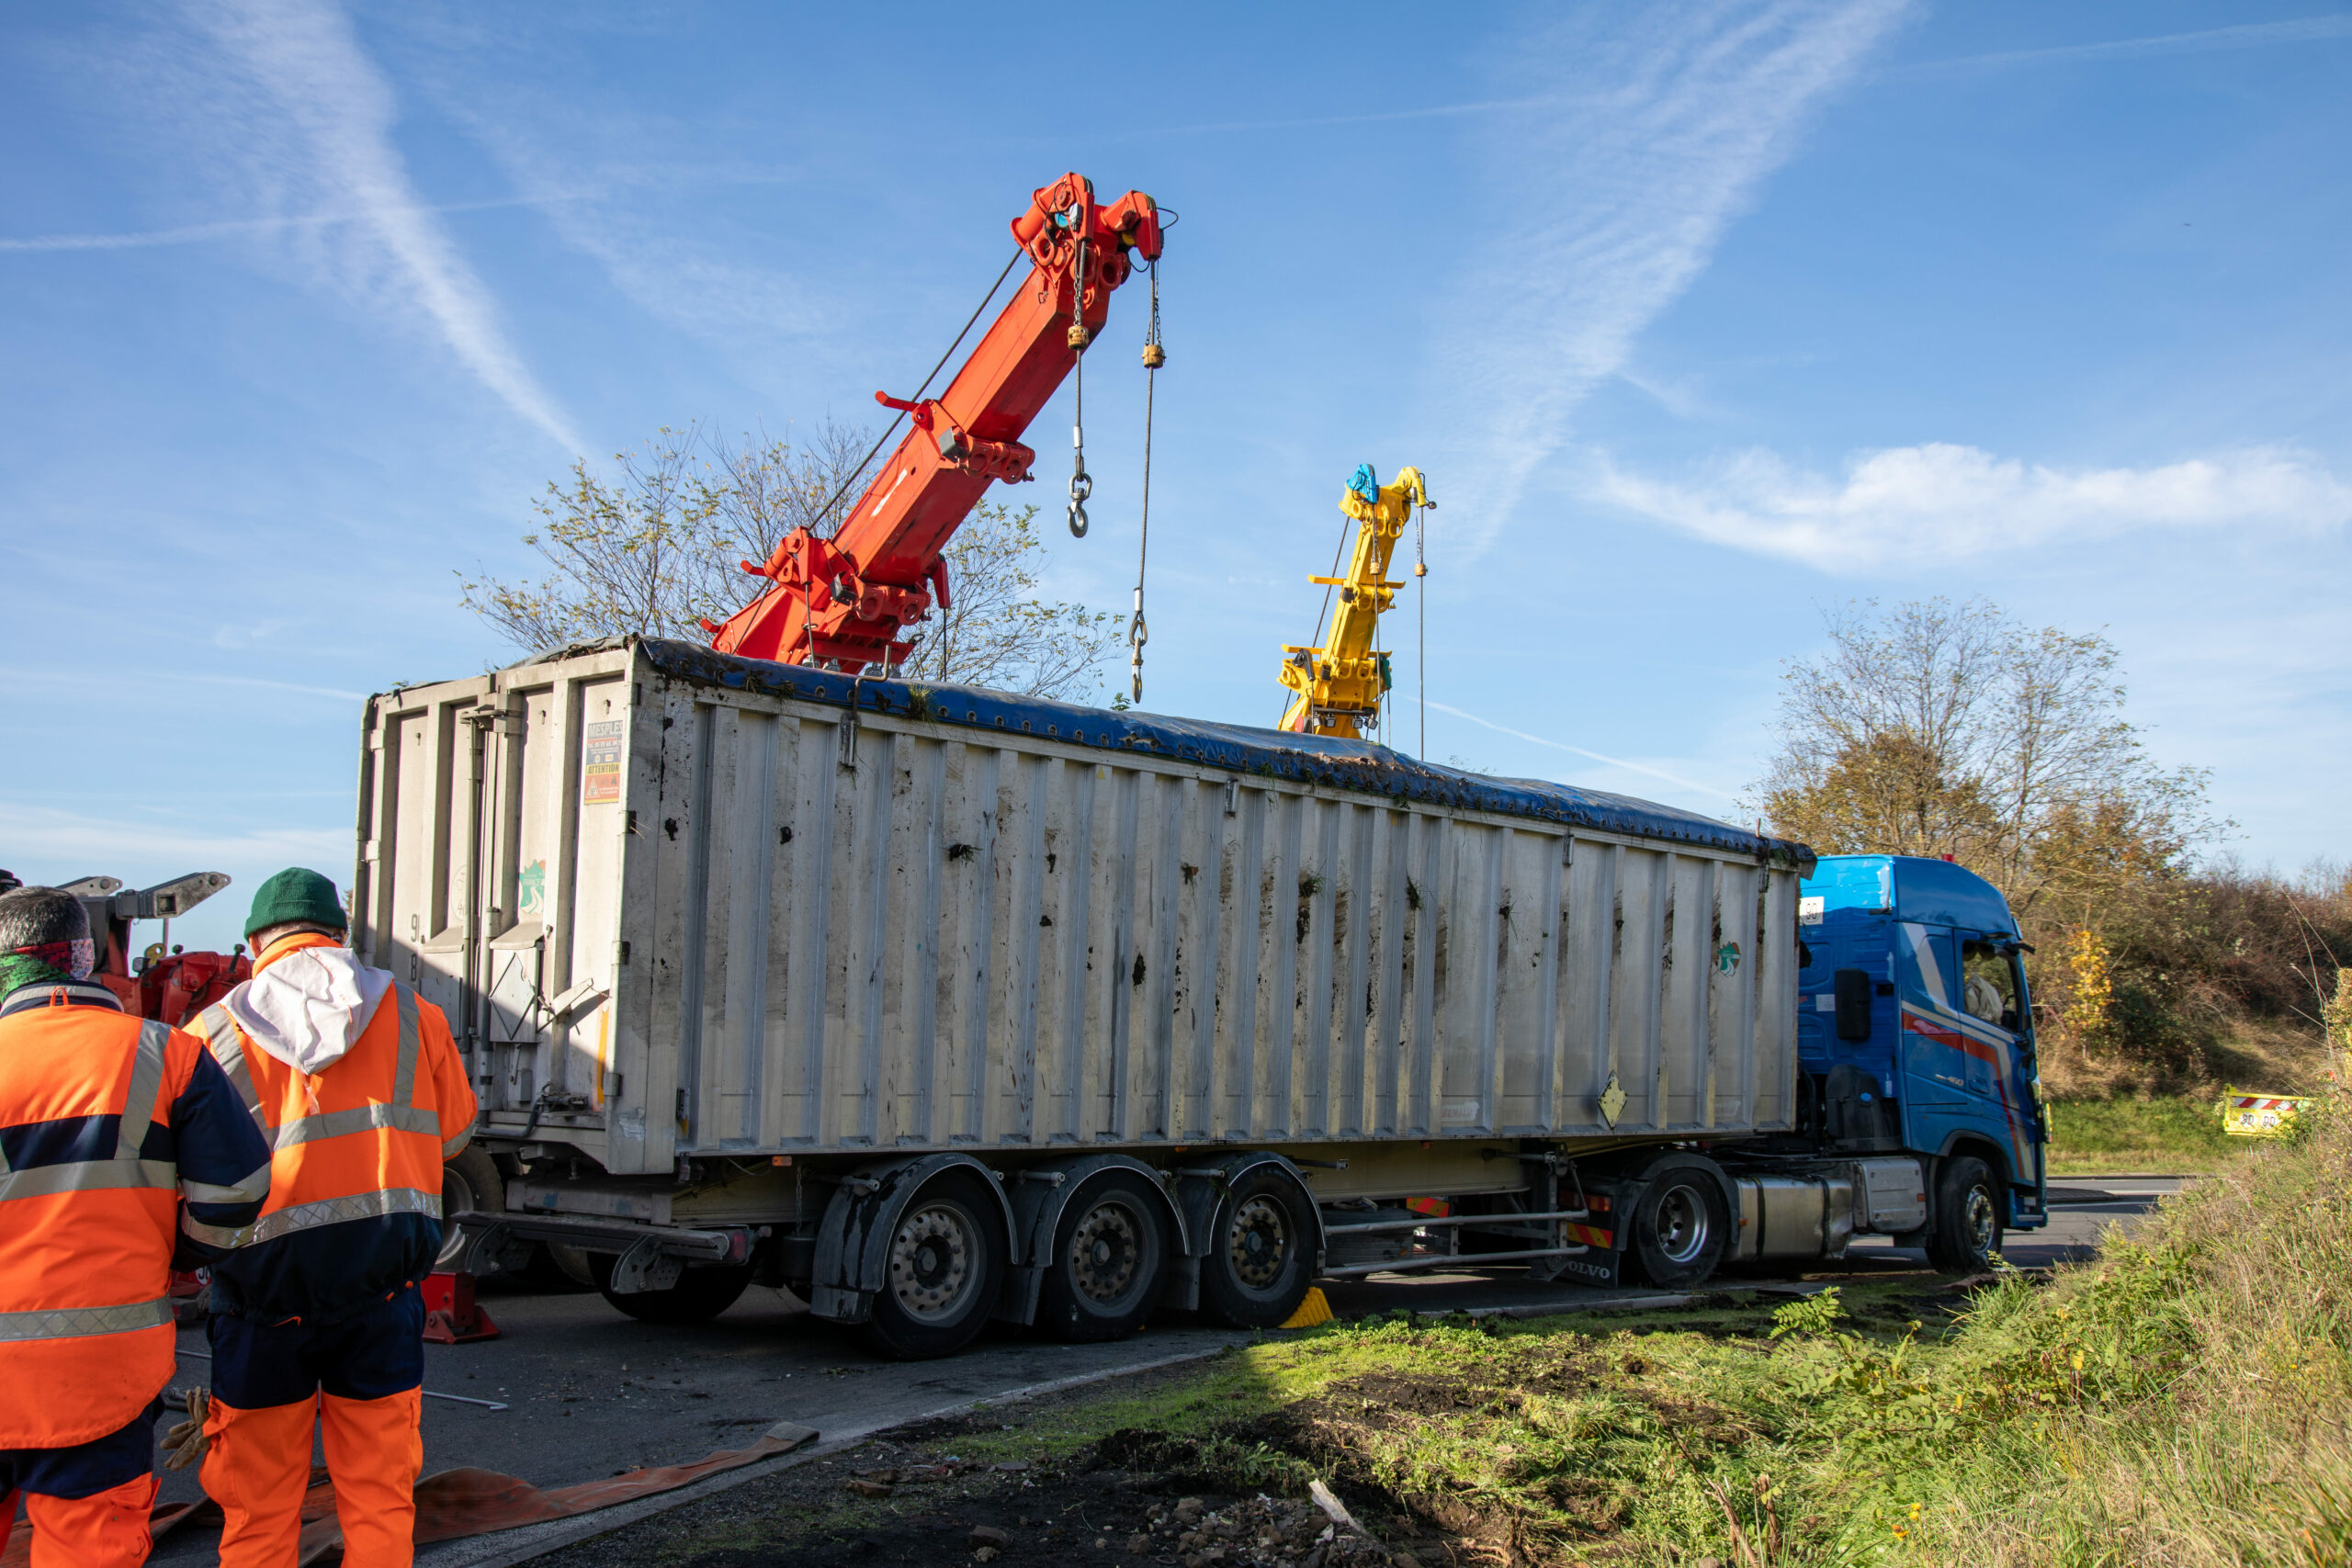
<point x="1338" y="685"/>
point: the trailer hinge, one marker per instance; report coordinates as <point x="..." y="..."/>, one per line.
<point x="848" y="727"/>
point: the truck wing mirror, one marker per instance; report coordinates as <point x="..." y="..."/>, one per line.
<point x="1853" y="988"/>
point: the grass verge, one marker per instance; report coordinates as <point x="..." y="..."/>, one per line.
<point x="2168" y="1134"/>
<point x="2181" y="1401"/>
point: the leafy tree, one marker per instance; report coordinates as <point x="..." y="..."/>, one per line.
<point x="1939" y="728"/>
<point x="995" y="632"/>
<point x="652" y="547"/>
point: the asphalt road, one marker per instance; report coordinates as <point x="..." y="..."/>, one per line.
<point x="589" y="1392"/>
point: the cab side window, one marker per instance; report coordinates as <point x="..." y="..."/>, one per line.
<point x="1989" y="984"/>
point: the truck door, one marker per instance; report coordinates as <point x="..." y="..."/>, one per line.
<point x="1934" y="1055"/>
<point x="2000" y="1067"/>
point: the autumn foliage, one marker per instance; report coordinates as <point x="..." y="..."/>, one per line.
<point x="1942" y="728"/>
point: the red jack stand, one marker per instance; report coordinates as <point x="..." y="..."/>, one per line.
<point x="451" y="1315"/>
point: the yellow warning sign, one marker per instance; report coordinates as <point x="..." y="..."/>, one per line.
<point x="2248" y="1116"/>
<point x="600" y="765"/>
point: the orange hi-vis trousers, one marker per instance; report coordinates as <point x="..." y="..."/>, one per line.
<point x="106" y="1529"/>
<point x="258" y="1466"/>
<point x="358" y="1382"/>
<point x="88" y="1505"/>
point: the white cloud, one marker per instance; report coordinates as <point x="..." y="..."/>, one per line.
<point x="1607" y="202"/>
<point x="1938" y="504"/>
<point x="46" y="842"/>
<point x="2249" y="35"/>
<point x="312" y="128"/>
<point x="200" y="677"/>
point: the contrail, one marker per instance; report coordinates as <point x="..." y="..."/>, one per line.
<point x="196" y="234"/>
<point x="1581" y="751"/>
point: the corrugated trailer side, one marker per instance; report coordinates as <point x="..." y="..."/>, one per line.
<point x="715" y="930"/>
<point x="781" y="931"/>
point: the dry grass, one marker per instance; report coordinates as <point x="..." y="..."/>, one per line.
<point x="2178" y="1403"/>
<point x="2218" y="1439"/>
<point x="2283" y="1057"/>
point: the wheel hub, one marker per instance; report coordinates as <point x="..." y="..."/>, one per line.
<point x="1682" y="1225"/>
<point x="931" y="1260"/>
<point x="1105" y="1250"/>
<point x="1977" y="1219"/>
<point x="1256" y="1243"/>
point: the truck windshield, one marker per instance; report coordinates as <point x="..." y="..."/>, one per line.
<point x="1989" y="984"/>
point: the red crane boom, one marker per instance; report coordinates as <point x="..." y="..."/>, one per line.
<point x="840" y="602"/>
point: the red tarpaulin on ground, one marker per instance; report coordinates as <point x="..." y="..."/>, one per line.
<point x="457" y="1503"/>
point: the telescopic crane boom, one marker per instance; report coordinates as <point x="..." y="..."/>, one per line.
<point x="841" y="602"/>
<point x="1339" y="685"/>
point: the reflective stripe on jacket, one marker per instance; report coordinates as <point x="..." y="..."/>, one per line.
<point x="106" y="1123"/>
<point x="355" y="1153"/>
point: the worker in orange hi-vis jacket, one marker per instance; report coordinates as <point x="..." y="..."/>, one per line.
<point x="109" y="1124"/>
<point x="319" y="1322"/>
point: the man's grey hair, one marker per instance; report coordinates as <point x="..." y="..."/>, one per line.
<point x="32" y="916"/>
<point x="262" y="938"/>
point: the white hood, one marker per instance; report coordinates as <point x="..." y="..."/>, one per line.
<point x="309" y="1008"/>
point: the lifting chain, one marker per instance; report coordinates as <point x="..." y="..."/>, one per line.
<point x="1081" y="483"/>
<point x="1154" y="356"/>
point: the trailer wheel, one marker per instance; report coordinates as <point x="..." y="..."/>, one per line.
<point x="1256" y="1271"/>
<point x="943" y="1265"/>
<point x="1681" y="1226"/>
<point x="701" y="1294"/>
<point x="470" y="1181"/>
<point x="1965" y="1230"/>
<point x="1109" y="1262"/>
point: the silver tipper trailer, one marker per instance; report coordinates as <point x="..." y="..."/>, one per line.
<point x="936" y="1004"/>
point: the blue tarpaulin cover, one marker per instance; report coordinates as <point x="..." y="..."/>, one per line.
<point x="1358" y="766"/>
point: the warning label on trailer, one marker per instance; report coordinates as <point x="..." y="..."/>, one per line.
<point x="600" y="765"/>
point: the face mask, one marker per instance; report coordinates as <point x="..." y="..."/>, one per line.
<point x="49" y="962"/>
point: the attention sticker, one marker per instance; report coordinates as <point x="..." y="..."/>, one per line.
<point x="600" y="765"/>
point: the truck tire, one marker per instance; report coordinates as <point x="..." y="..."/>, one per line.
<point x="1964" y="1231"/>
<point x="1681" y="1226"/>
<point x="1109" y="1263"/>
<point x="700" y="1295"/>
<point x="944" y="1266"/>
<point x="472" y="1180"/>
<point x="1259" y="1260"/>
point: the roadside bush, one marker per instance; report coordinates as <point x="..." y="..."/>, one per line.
<point x="2182" y="1401"/>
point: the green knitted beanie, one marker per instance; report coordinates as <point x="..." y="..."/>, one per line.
<point x="295" y="897"/>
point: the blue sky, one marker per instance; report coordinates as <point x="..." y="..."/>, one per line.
<point x="1699" y="316"/>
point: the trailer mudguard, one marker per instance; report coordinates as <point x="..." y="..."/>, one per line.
<point x="864" y="1209"/>
<point x="1201" y="1185"/>
<point x="1038" y="1200"/>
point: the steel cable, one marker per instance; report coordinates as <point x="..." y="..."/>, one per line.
<point x="826" y="510"/>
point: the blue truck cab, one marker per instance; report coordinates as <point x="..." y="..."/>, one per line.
<point x="1914" y="1034"/>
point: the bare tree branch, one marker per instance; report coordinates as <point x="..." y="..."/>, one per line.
<point x="654" y="548"/>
